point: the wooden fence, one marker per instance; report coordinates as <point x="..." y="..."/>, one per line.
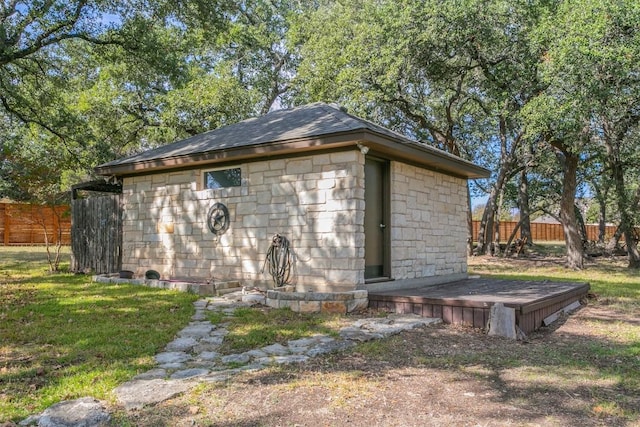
<point x="26" y="224"/>
<point x="97" y="234"/>
<point x="544" y="231"/>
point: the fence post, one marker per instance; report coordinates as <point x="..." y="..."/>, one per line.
<point x="7" y="226"/>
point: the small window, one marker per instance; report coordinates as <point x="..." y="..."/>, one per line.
<point x="222" y="178"/>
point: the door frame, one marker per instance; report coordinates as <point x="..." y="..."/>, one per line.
<point x="386" y="218"/>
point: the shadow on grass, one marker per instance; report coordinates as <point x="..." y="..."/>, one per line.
<point x="559" y="377"/>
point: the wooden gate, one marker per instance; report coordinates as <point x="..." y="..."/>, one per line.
<point x="96" y="234"/>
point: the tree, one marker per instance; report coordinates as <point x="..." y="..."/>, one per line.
<point x="104" y="79"/>
<point x="36" y="173"/>
<point x="593" y="66"/>
<point x="452" y="75"/>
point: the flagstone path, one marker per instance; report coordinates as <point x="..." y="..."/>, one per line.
<point x="193" y="357"/>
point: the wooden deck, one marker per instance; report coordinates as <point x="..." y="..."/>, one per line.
<point x="468" y="301"/>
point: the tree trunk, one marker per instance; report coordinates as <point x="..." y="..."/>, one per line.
<point x="626" y="224"/>
<point x="523" y="207"/>
<point x="469" y="223"/>
<point x="573" y="239"/>
<point x="486" y="232"/>
<point x="612" y="141"/>
<point x="581" y="225"/>
<point x="496" y="225"/>
<point x="602" y="222"/>
<point x="615" y="239"/>
<point x="601" y="191"/>
<point x="481" y="247"/>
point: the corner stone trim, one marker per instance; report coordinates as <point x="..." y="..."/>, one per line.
<point x="319" y="302"/>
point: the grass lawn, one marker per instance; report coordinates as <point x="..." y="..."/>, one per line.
<point x="252" y="328"/>
<point x="583" y="370"/>
<point x="64" y="337"/>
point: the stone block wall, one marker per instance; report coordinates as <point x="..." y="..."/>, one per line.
<point x="428" y="223"/>
<point x="319" y="302"/>
<point x="317" y="202"/>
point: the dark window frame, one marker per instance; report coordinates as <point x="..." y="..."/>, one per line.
<point x="216" y="179"/>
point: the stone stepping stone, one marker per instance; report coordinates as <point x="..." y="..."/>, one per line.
<point x="208" y="355"/>
<point x="84" y="412"/>
<point x="201" y="348"/>
<point x="218" y="376"/>
<point x="172" y="357"/>
<point x="172" y="366"/>
<point x="299" y="350"/>
<point x="200" y="304"/>
<point x="181" y="344"/>
<point x="303" y="342"/>
<point x="197" y="329"/>
<point x="139" y="393"/>
<point x="235" y="358"/>
<point x="199" y="317"/>
<point x="330" y="347"/>
<point x="215" y="340"/>
<point x="152" y="374"/>
<point x="189" y="373"/>
<point x="283" y="360"/>
<point x="357" y="334"/>
<point x="394" y="324"/>
<point x="226" y="374"/>
<point x="202" y="364"/>
<point x="255" y="354"/>
<point x="276" y="350"/>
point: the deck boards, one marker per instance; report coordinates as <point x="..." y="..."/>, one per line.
<point x="468" y="301"/>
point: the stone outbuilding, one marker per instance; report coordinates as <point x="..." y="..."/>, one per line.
<point x="360" y="206"/>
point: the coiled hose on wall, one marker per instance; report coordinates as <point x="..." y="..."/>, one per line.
<point x="279" y="260"/>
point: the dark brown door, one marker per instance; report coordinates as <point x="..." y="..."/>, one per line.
<point x="376" y="242"/>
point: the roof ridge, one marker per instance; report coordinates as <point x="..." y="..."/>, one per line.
<point x="334" y="109"/>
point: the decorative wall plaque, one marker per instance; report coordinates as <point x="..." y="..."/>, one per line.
<point x="218" y="219"/>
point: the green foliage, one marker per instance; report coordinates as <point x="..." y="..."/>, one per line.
<point x="502" y="83"/>
<point x="147" y="73"/>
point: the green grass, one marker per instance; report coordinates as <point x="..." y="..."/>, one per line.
<point x="64" y="336"/>
<point x="251" y="328"/>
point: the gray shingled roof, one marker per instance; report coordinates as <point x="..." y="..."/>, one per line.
<point x="310" y="121"/>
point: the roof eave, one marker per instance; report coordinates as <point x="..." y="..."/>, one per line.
<point x="425" y="156"/>
<point x="384" y="145"/>
<point x="232" y="154"/>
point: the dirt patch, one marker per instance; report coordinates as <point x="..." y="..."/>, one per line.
<point x="578" y="372"/>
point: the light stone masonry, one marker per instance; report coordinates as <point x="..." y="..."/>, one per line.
<point x="422" y="223"/>
<point x="164" y="222"/>
<point x="315" y="201"/>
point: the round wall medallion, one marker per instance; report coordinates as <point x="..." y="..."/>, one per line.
<point x="218" y="219"/>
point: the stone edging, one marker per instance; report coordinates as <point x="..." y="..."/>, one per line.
<point x="197" y="288"/>
<point x="319" y="302"/>
<point x="302" y="302"/>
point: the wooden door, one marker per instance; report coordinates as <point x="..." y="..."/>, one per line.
<point x="376" y="230"/>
